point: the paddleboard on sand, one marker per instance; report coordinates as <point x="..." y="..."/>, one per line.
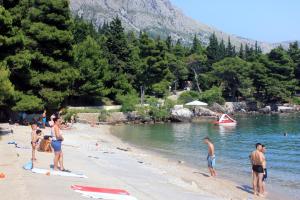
<point x="102" y="193"/>
<point x="57" y="173"/>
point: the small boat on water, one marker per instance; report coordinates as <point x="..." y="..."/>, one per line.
<point x="225" y="120"/>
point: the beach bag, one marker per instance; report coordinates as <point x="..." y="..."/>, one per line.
<point x="45" y="146"/>
<point x="28" y="166"/>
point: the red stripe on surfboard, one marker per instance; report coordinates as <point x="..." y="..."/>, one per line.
<point x="99" y="190"/>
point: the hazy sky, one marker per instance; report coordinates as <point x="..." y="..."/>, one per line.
<point x="264" y="20"/>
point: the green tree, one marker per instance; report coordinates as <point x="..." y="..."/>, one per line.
<point x="242" y="52"/>
<point x="6" y="33"/>
<point x="196" y="46"/>
<point x="93" y="69"/>
<point x="6" y="87"/>
<point x="42" y="67"/>
<point x="179" y="49"/>
<point x="169" y="43"/>
<point x="197" y="65"/>
<point x="222" y="49"/>
<point x="233" y="75"/>
<point x="294" y="53"/>
<point x="230" y="49"/>
<point x="128" y="102"/>
<point x="156" y="76"/>
<point x="82" y="29"/>
<point x="282" y="73"/>
<point x="118" y="56"/>
<point x="213" y="53"/>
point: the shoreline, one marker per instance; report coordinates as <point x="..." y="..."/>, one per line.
<point x="113" y="163"/>
<point x="186" y="166"/>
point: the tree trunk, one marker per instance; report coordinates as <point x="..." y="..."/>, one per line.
<point x="142" y="95"/>
<point x="197" y="82"/>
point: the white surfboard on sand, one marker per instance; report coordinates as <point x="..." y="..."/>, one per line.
<point x="57" y="173"/>
<point x="103" y="193"/>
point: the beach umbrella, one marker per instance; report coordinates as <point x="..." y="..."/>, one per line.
<point x="196" y="103"/>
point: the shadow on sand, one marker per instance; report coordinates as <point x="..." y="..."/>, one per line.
<point x="245" y="188"/>
<point x="203" y="174"/>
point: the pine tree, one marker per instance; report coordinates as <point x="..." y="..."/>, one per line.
<point x="242" y="52"/>
<point x="169" y="43"/>
<point x="93" y="70"/>
<point x="222" y="49"/>
<point x="118" y="57"/>
<point x="41" y="69"/>
<point x="294" y="53"/>
<point x="248" y="52"/>
<point x="179" y="50"/>
<point x="10" y="38"/>
<point x="196" y="46"/>
<point x="230" y="50"/>
<point x="256" y="48"/>
<point x="6" y="87"/>
<point x="213" y="53"/>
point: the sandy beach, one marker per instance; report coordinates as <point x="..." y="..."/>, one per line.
<point x="145" y="175"/>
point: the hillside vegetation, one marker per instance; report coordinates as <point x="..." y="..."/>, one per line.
<point x="50" y="59"/>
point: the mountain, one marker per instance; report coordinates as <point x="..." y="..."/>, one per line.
<point x="157" y="17"/>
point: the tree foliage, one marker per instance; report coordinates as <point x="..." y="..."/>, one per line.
<point x="49" y="59"/>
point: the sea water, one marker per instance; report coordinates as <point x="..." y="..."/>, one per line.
<point x="233" y="146"/>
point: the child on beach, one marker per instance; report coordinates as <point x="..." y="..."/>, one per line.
<point x="36" y="136"/>
<point x="211" y="158"/>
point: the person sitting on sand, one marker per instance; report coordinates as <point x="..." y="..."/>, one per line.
<point x="211" y="158"/>
<point x="35" y="137"/>
<point x="257" y="160"/>
<point x="263" y="150"/>
<point x="57" y="139"/>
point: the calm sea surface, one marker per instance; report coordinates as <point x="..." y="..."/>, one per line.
<point x="233" y="146"/>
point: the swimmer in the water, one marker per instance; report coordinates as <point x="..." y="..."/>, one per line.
<point x="285" y="134"/>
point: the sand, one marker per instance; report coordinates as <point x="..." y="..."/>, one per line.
<point x="110" y="164"/>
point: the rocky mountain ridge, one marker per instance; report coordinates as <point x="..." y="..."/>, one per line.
<point x="157" y="17"/>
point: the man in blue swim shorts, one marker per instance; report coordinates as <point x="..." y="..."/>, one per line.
<point x="211" y="158"/>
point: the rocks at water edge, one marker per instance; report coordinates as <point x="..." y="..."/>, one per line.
<point x="201" y="111"/>
<point x="180" y="114"/>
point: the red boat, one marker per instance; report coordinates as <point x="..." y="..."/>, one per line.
<point x="226" y="121"/>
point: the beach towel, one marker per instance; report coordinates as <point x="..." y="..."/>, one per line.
<point x="58" y="173"/>
<point x="102" y="193"/>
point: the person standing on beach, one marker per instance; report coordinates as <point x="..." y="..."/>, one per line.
<point x="211" y="158"/>
<point x="257" y="160"/>
<point x="44" y="118"/>
<point x="265" y="176"/>
<point x="57" y="139"/>
<point x="33" y="140"/>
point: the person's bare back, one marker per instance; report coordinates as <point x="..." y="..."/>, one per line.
<point x="211" y="158"/>
<point x="211" y="149"/>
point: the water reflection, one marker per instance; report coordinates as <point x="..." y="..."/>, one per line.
<point x="226" y="129"/>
